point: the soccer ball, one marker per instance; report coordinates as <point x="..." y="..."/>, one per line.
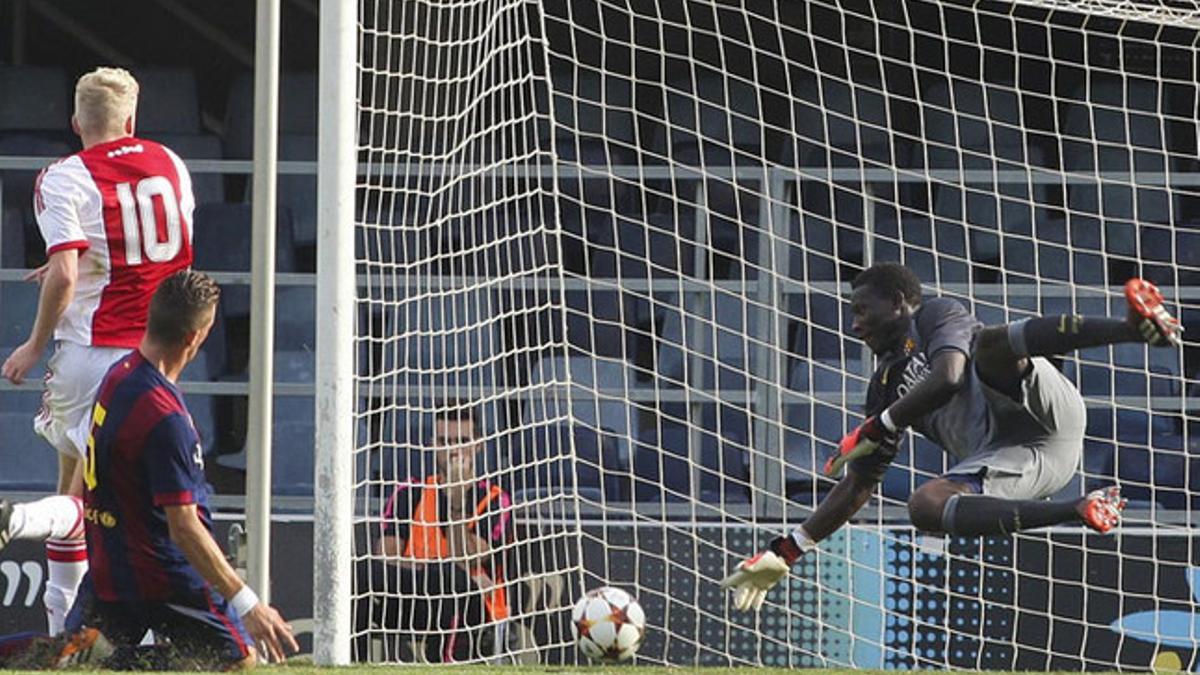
<point x="608" y="624"/>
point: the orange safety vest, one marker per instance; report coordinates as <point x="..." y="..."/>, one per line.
<point x="426" y="541"/>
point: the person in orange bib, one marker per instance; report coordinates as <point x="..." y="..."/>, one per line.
<point x="437" y="569"/>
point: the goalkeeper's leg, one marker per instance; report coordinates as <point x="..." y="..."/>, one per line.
<point x="949" y="506"/>
<point x="1001" y="351"/>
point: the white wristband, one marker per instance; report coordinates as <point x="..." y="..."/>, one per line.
<point x="804" y="542"/>
<point x="243" y="601"/>
<point x="885" y="418"/>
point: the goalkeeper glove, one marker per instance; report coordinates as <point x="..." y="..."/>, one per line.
<point x="752" y="578"/>
<point x="868" y="437"/>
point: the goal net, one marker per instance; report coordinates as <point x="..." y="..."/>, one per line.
<point x="624" y="232"/>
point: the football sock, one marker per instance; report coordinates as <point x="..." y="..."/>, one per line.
<point x="57" y="516"/>
<point x="969" y="515"/>
<point x="66" y="560"/>
<point x="1052" y="335"/>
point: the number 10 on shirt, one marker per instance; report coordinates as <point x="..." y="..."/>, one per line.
<point x="140" y="224"/>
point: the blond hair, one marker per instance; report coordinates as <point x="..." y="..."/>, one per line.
<point x="104" y="99"/>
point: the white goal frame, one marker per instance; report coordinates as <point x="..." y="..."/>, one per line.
<point x="336" y="177"/>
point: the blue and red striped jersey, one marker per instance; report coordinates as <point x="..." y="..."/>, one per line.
<point x="143" y="454"/>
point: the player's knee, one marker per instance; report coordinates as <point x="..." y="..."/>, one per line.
<point x="925" y="510"/>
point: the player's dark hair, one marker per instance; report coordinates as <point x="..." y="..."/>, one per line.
<point x="455" y="410"/>
<point x="180" y="306"/>
<point x="888" y="278"/>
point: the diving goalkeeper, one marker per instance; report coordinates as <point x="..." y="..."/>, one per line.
<point x="988" y="396"/>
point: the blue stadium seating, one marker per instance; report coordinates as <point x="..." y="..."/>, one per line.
<point x="536" y="462"/>
<point x="594" y="126"/>
<point x="222" y="244"/>
<point x="199" y="405"/>
<point x="295" y="318"/>
<point x="45" y="84"/>
<point x="12" y="237"/>
<point x="18" y="309"/>
<point x="970" y="127"/>
<point x="293" y="440"/>
<point x="297" y="110"/>
<point x="206" y="187"/>
<point x="724" y="454"/>
<point x="293" y="428"/>
<point x="802" y="462"/>
<point x="830" y="227"/>
<point x="711" y="120"/>
<point x="16" y="187"/>
<point x="298" y="192"/>
<point x="661" y="467"/>
<point x="29" y="462"/>
<point x="168" y="101"/>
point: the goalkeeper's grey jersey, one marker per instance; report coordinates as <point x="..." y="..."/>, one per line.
<point x="939" y="324"/>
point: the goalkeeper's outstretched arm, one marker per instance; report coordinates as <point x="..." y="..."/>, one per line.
<point x="755" y="576"/>
<point x="839" y="506"/>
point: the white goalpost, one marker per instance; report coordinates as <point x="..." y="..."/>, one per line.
<point x="622" y="233"/>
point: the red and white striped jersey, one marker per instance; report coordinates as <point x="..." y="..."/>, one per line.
<point x="127" y="205"/>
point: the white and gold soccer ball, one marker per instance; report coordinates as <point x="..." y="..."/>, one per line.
<point x="608" y="624"/>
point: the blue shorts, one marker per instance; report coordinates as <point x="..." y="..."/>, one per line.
<point x="201" y="629"/>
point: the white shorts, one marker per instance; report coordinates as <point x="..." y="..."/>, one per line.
<point x="73" y="377"/>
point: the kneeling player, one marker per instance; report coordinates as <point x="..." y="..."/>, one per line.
<point x="986" y="396"/>
<point x="154" y="563"/>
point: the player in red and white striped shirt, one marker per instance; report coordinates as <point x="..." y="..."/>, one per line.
<point x="117" y="220"/>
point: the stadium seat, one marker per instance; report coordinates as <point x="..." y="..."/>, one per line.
<point x="297" y="110"/>
<point x="828" y="377"/>
<point x="1095" y="121"/>
<point x="719" y="435"/>
<point x="295" y="318"/>
<point x="671" y="251"/>
<point x="12" y="237"/>
<point x="594" y="126"/>
<point x="297" y="366"/>
<point x="293" y="441"/>
<point x="168" y="101"/>
<point x="802" y="461"/>
<point x="661" y="468"/>
<point x="536" y="462"/>
<point x="28" y="461"/>
<point x="725" y="454"/>
<point x="1098" y="461"/>
<point x="717" y="341"/>
<point x="293" y="428"/>
<point x="18" y="309"/>
<point x="223" y="238"/>
<point x="200" y="405"/>
<point x="222" y="243"/>
<point x="22" y="86"/>
<point x="828" y="114"/>
<point x="437" y="337"/>
<point x="207" y="187"/>
<point x="16" y="187"/>
<point x="712" y="120"/>
<point x="612" y="381"/>
<point x="900" y="480"/>
<point x="831" y="224"/>
<point x="298" y="192"/>
<point x="972" y="127"/>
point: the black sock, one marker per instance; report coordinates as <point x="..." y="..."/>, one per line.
<point x="1051" y="335"/>
<point x="969" y="515"/>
